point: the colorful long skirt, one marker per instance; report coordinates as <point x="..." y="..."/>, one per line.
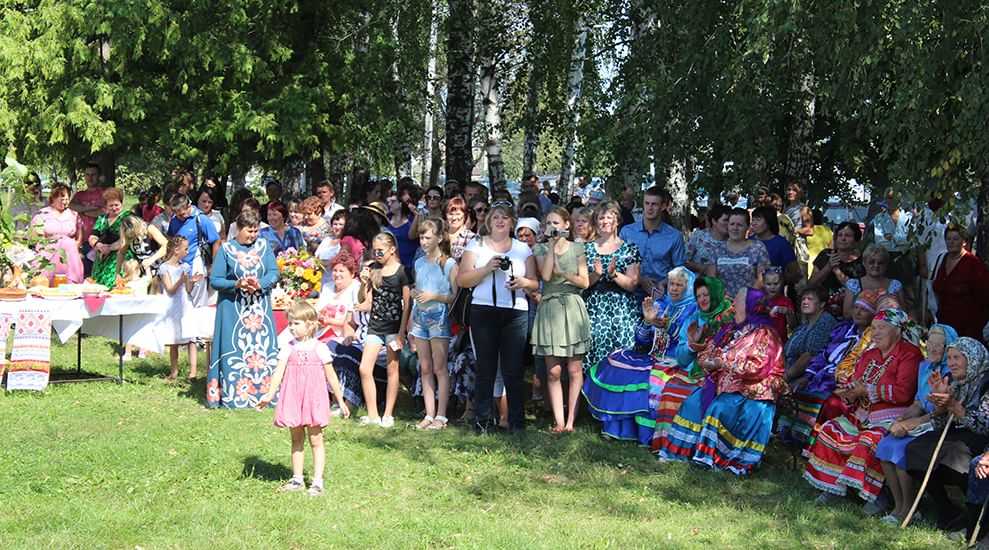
<point x="678" y="387"/>
<point x="797" y="427"/>
<point x="617" y="392"/>
<point x="731" y="435"/>
<point x="844" y="457"/>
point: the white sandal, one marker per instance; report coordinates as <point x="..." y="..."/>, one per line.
<point x="425" y="423"/>
<point x="441" y="419"/>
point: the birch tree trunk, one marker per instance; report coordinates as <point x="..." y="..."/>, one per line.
<point x="460" y="90"/>
<point x="574" y="81"/>
<point x="491" y="101"/>
<point x="676" y="184"/>
<point x="427" y="127"/>
<point x="531" y="144"/>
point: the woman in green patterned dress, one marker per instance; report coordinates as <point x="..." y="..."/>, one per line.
<point x="105" y="240"/>
<point x="613" y="266"/>
<point x="562" y="331"/>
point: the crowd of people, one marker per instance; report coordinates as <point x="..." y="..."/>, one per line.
<point x="758" y="325"/>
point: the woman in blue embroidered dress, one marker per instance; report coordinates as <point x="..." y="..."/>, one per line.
<point x="245" y="343"/>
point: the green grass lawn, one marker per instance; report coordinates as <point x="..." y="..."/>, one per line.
<point x="102" y="465"/>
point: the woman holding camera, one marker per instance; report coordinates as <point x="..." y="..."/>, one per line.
<point x="500" y="269"/>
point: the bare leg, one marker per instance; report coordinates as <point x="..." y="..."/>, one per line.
<point x="173" y="358"/>
<point x="575" y="368"/>
<point x="366" y="370"/>
<point x="889" y="469"/>
<point x="555" y="390"/>
<point x="318" y="454"/>
<point x="298" y="450"/>
<point x="502" y="410"/>
<point x="426" y="375"/>
<point x="193" y="360"/>
<point x="908" y="487"/>
<point x="441" y="348"/>
<point x="391" y="390"/>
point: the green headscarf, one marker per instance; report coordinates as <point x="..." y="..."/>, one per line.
<point x="719" y="300"/>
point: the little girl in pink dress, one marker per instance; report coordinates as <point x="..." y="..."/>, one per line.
<point x="305" y="366"/>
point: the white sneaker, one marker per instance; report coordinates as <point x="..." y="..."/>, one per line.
<point x="367" y="420"/>
<point x="387" y="421"/>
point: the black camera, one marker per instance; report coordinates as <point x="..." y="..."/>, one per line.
<point x="554" y="234"/>
<point x="504" y="263"/>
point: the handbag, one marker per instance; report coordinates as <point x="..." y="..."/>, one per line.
<point x="205" y="248"/>
<point x="460" y="309"/>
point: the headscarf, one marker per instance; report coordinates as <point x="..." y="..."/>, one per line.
<point x="719" y="300"/>
<point x="950" y="335"/>
<point x="901" y="320"/>
<point x="967" y="390"/>
<point x="868" y="299"/>
<point x="757" y="308"/>
<point x="688" y="290"/>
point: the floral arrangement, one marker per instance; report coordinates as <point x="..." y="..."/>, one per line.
<point x="301" y="273"/>
<point x="20" y="263"/>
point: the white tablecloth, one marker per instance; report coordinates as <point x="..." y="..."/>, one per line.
<point x="138" y="313"/>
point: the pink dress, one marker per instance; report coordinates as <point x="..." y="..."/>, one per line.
<point x="63" y="228"/>
<point x="304" y="399"/>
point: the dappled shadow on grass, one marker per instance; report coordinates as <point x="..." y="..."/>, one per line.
<point x="624" y="481"/>
<point x="256" y="467"/>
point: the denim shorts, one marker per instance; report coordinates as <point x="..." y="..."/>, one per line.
<point x="430" y="323"/>
<point x="379" y="339"/>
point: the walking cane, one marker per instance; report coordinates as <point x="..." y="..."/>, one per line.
<point x="978" y="523"/>
<point x="927" y="476"/>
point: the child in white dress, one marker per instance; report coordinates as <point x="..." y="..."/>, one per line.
<point x="178" y="327"/>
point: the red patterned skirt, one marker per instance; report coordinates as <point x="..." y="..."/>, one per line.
<point x="844" y="457"/>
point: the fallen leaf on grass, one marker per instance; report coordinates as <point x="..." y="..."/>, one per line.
<point x="550" y="478"/>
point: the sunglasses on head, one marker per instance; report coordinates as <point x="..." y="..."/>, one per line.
<point x="773" y="269"/>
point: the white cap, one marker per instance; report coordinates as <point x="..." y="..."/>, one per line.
<point x="530" y="223"/>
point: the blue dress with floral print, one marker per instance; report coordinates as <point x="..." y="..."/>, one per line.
<point x="245" y="344"/>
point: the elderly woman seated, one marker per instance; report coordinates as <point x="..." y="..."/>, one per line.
<point x="714" y="310"/>
<point x="961" y="408"/>
<point x="814" y="402"/>
<point x="915" y="421"/>
<point x="882" y="387"/>
<point x="726" y="425"/>
<point x="618" y="389"/>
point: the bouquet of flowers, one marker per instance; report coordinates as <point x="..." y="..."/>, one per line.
<point x="300" y="273"/>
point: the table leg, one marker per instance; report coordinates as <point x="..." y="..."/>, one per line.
<point x="79" y="351"/>
<point x="120" y="340"/>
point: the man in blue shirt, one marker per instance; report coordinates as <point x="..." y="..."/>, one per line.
<point x="187" y="221"/>
<point x="660" y="245"/>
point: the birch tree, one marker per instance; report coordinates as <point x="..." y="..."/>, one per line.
<point x="575" y="79"/>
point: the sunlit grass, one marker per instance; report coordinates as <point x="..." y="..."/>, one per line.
<point x="145" y="464"/>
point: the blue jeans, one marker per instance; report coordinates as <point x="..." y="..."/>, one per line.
<point x="498" y="335"/>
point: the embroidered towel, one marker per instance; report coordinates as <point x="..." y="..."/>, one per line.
<point x="30" y="356"/>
